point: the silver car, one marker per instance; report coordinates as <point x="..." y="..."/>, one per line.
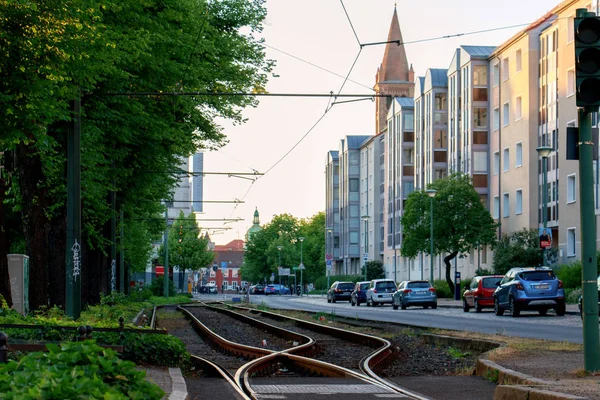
<point x="380" y="291"/>
<point x="414" y="293"/>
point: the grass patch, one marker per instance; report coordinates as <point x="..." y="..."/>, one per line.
<point x="456" y="353"/>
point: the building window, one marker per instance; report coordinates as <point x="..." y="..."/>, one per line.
<point x="479" y="75"/>
<point x="505" y="69"/>
<point x="505" y="115"/>
<point x="354" y="185"/>
<point x="496" y="74"/>
<point x="571" y="242"/>
<point x="409" y="156"/>
<point x="480" y="161"/>
<point x="506" y="160"/>
<point x="409" y="122"/>
<point x="571" y="195"/>
<point x="518" y="61"/>
<point x="518" y="108"/>
<point x="570" y="29"/>
<point x="505" y="205"/>
<point x="519" y="155"/>
<point x="496" y="163"/>
<point x="440" y="102"/>
<point x="353" y="237"/>
<point x="234" y="273"/>
<point x="496" y="118"/>
<point x="496" y="214"/>
<point x="479" y="117"/>
<point x="519" y="202"/>
<point x="570" y="82"/>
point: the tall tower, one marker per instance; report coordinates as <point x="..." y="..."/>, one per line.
<point x="394" y="76"/>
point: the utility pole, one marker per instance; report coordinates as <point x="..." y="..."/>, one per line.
<point x="73" y="250"/>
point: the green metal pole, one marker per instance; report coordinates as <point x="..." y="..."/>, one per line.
<point x="366" y="245"/>
<point x="545" y="202"/>
<point x="122" y="254"/>
<point x="301" y="271"/>
<point x="431" y="240"/>
<point x="113" y="236"/>
<point x="591" y="344"/>
<point x="166" y="246"/>
<point x="73" y="250"/>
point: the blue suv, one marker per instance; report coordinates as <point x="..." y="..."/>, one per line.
<point x="529" y="289"/>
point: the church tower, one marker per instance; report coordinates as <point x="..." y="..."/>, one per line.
<point x="255" y="226"/>
<point x="394" y="76"/>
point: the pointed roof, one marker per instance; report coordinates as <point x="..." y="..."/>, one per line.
<point x="394" y="66"/>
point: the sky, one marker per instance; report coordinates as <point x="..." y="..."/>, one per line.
<point x="315" y="44"/>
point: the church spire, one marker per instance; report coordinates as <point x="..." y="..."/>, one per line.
<point x="394" y="76"/>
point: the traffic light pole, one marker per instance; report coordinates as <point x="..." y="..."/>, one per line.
<point x="591" y="344"/>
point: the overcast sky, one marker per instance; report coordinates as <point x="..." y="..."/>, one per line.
<point x="319" y="32"/>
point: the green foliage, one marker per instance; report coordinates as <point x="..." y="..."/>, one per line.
<point x="157" y="286"/>
<point x="113" y="299"/>
<point x="442" y="289"/>
<point x="75" y="370"/>
<point x="517" y="249"/>
<point x="161" y="300"/>
<point x="155" y="349"/>
<point x="457" y="353"/>
<point x="483" y="272"/>
<point x="262" y="255"/>
<point x="140" y="294"/>
<point x="570" y="274"/>
<point x="375" y="270"/>
<point x="572" y="295"/>
<point x="321" y="282"/>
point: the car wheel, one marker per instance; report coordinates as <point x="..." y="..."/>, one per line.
<point x="434" y="306"/>
<point x="560" y="308"/>
<point x="513" y="307"/>
<point x="465" y="306"/>
<point x="543" y="311"/>
<point x="426" y="307"/>
<point x="497" y="309"/>
<point x="477" y="306"/>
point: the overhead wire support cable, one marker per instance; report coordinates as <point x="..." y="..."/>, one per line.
<point x="266" y="94"/>
<point x="378" y="43"/>
<point x="350" y="22"/>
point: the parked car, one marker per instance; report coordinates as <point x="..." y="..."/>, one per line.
<point x="580" y="301"/>
<point x="414" y="293"/>
<point x="276" y="288"/>
<point x="257" y="289"/>
<point x="339" y="291"/>
<point x="529" y="289"/>
<point x="380" y="291"/>
<point x="480" y="294"/>
<point x="359" y="294"/>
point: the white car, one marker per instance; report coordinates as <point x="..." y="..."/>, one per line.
<point x="380" y="291"/>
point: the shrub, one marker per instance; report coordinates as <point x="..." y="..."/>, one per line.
<point x="572" y="295"/>
<point x="570" y="274"/>
<point x="442" y="289"/>
<point x="157" y="286"/>
<point x="75" y="370"/>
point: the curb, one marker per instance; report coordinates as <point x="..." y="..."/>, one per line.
<point x="513" y="385"/>
<point x="178" y="387"/>
<point x="441" y="304"/>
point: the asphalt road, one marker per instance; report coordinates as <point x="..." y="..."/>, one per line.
<point x="528" y="325"/>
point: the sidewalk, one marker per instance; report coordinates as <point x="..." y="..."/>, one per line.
<point x="169" y="379"/>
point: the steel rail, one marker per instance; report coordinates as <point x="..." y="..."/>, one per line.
<point x="383" y="348"/>
<point x="219" y="371"/>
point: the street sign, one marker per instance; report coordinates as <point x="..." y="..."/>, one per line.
<point x="284" y="271"/>
<point x="301" y="266"/>
<point x="329" y="256"/>
<point x="366" y="256"/>
<point x="223" y="264"/>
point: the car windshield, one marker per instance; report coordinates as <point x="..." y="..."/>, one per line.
<point x="386" y="285"/>
<point x="537" y="275"/>
<point x="490" y="283"/>
<point x="419" y="285"/>
<point x="364" y="286"/>
<point x="346" y="286"/>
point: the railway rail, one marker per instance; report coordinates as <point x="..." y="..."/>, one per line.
<point x="293" y="372"/>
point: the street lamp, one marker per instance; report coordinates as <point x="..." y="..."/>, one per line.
<point x="544" y="152"/>
<point x="278" y="268"/>
<point x="431" y="193"/>
<point x="365" y="219"/>
<point x="328" y="267"/>
<point x="301" y="267"/>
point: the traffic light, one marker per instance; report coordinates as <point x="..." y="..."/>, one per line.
<point x="587" y="58"/>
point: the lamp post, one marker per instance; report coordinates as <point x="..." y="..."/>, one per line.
<point x="279" y="248"/>
<point x="431" y="193"/>
<point x="544" y="152"/>
<point x="301" y="267"/>
<point x="328" y="268"/>
<point x="365" y="219"/>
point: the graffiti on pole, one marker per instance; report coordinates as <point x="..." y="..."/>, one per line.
<point x="113" y="275"/>
<point x="75" y="249"/>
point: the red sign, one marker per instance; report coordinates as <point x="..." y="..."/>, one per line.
<point x="160" y="270"/>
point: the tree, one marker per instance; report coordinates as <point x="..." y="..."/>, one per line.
<point x="517" y="249"/>
<point x="187" y="250"/>
<point x="375" y="270"/>
<point x="461" y="221"/>
<point x="55" y="52"/>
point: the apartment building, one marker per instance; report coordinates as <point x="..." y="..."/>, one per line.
<point x="332" y="208"/>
